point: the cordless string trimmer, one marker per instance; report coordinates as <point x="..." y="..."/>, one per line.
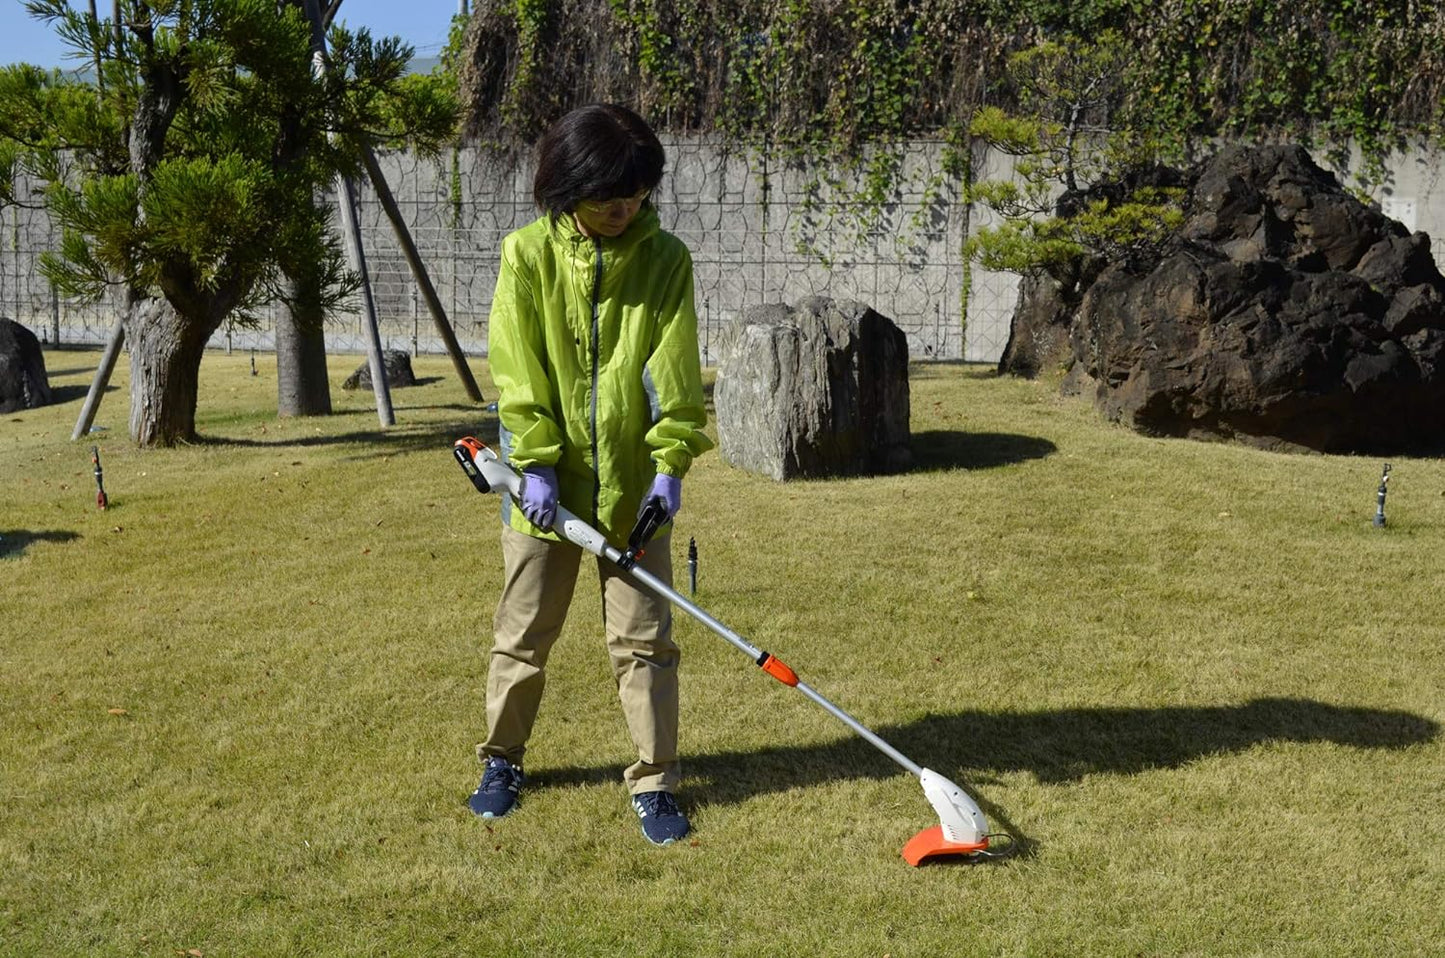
<point x="962" y="829"/>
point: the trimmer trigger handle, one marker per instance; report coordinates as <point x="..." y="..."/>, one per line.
<point x="652" y="518"/>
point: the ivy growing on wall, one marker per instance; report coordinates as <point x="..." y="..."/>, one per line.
<point x="823" y="77"/>
<point x="838" y="87"/>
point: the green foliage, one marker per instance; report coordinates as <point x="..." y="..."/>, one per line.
<point x="1070" y="134"/>
<point x="1367" y="72"/>
<point x="835" y="73"/>
<point x="237" y="137"/>
<point x="1056" y="244"/>
<point x="822" y="81"/>
<point x="420" y="112"/>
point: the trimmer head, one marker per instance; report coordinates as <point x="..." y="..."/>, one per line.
<point x="930" y="843"/>
<point x="962" y="828"/>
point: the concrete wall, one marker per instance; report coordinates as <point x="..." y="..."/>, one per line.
<point x="760" y="231"/>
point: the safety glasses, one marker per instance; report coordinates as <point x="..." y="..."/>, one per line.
<point x="621" y="202"/>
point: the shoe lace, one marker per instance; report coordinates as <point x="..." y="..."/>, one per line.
<point x="500" y="776"/>
<point x="660" y="804"/>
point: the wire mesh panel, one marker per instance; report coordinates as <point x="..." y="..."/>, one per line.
<point x="760" y="231"/>
<point x="757" y="235"/>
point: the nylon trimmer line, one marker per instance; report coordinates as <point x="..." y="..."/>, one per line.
<point x="962" y="830"/>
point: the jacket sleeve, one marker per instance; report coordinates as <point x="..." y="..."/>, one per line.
<point x="516" y="347"/>
<point x="674" y="376"/>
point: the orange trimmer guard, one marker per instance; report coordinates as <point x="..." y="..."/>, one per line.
<point x="930" y="843"/>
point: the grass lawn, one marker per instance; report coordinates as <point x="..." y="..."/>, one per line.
<point x="237" y="709"/>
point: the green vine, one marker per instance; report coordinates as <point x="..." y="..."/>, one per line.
<point x="837" y="88"/>
<point x="811" y="79"/>
<point x="454" y="187"/>
<point x="530" y="19"/>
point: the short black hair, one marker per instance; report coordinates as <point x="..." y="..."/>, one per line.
<point x="597" y="152"/>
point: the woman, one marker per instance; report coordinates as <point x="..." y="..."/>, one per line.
<point x="593" y="348"/>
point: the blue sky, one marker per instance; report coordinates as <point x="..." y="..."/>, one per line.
<point x="422" y="23"/>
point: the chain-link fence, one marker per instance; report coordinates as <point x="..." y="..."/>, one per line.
<point x="760" y="231"/>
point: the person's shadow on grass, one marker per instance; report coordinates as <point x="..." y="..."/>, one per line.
<point x="1057" y="746"/>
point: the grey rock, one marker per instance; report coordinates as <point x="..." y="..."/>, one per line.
<point x="816" y="389"/>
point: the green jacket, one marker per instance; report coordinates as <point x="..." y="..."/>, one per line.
<point x="593" y="348"/>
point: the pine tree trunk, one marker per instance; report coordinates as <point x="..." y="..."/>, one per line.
<point x="165" y="367"/>
<point x="301" y="385"/>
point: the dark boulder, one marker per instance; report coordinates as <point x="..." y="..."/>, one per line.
<point x="1285" y="314"/>
<point x="398" y="371"/>
<point x="23" y="382"/>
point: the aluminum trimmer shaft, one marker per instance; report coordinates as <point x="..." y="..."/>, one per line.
<point x="766" y="660"/>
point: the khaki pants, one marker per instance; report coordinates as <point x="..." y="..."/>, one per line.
<point x="540" y="578"/>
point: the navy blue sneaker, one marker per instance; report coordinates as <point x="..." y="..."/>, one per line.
<point x="497" y="794"/>
<point x="662" y="821"/>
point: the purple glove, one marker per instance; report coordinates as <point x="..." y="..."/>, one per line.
<point x="539" y="495"/>
<point x="669" y="490"/>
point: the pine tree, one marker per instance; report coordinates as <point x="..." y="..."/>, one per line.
<point x="185" y="178"/>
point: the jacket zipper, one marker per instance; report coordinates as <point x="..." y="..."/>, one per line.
<point x="596" y="350"/>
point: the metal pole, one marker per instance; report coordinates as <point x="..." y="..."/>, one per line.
<point x="756" y="654"/>
<point x="101" y="380"/>
<point x="692" y="565"/>
<point x="351" y="234"/>
<point x="117" y="335"/>
<point x="1380" y="498"/>
<point x="419" y="273"/>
